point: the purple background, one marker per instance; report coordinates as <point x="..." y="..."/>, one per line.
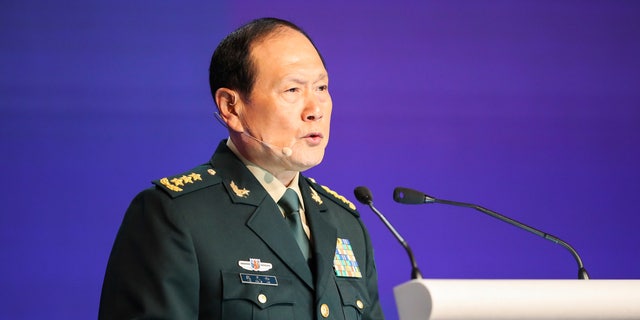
<point x="530" y="108"/>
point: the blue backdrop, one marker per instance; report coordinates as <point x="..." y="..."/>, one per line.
<point x="530" y="108"/>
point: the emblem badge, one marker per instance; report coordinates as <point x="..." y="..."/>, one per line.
<point x="255" y="265"/>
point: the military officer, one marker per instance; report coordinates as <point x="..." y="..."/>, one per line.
<point x="246" y="235"/>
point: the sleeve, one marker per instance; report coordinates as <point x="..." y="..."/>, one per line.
<point x="152" y="271"/>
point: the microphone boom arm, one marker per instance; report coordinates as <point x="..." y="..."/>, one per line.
<point x="415" y="272"/>
<point x="409" y="196"/>
<point x="582" y="272"/>
<point x="364" y="196"/>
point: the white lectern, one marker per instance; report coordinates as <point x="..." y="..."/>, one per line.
<point x="518" y="299"/>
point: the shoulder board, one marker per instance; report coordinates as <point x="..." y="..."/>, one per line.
<point x="195" y="179"/>
<point x="334" y="196"/>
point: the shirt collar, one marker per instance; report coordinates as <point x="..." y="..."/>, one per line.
<point x="273" y="186"/>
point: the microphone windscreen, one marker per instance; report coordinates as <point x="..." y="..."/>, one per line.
<point x="363" y="194"/>
<point x="408" y="196"/>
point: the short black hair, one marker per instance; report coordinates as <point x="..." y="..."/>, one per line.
<point x="231" y="64"/>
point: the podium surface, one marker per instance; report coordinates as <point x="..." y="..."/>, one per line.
<point x="518" y="299"/>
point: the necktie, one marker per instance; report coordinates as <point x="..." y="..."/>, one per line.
<point x="291" y="206"/>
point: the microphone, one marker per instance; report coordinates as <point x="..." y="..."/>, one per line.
<point x="364" y="196"/>
<point x="286" y="151"/>
<point x="409" y="196"/>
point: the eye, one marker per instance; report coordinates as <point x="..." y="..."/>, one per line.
<point x="292" y="90"/>
<point x="323" y="88"/>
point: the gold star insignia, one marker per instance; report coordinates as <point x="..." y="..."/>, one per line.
<point x="176" y="181"/>
<point x="170" y="186"/>
<point x="195" y="176"/>
<point x="186" y="179"/>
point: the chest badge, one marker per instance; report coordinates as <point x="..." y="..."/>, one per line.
<point x="255" y="265"/>
<point x="344" y="262"/>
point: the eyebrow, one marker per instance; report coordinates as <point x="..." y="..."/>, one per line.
<point x="298" y="80"/>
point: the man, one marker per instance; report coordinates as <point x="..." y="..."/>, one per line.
<point x="219" y="241"/>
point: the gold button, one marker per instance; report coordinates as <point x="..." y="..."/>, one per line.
<point x="359" y="304"/>
<point x="262" y="298"/>
<point x="324" y="310"/>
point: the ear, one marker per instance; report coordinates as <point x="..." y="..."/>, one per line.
<point x="229" y="106"/>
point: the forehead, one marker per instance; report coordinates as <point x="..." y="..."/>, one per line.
<point x="283" y="46"/>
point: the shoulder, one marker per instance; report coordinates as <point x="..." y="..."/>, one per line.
<point x="189" y="181"/>
<point x="333" y="196"/>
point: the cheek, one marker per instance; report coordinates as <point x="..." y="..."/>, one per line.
<point x="270" y="122"/>
<point x="327" y="117"/>
<point x="328" y="108"/>
<point x="326" y="100"/>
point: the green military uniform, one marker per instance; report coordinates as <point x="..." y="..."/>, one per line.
<point x="212" y="244"/>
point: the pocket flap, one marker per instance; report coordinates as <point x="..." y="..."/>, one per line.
<point x="351" y="293"/>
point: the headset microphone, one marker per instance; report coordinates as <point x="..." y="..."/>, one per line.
<point x="286" y="151"/>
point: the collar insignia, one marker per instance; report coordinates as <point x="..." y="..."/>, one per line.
<point x="315" y="196"/>
<point x="255" y="265"/>
<point x="242" y="193"/>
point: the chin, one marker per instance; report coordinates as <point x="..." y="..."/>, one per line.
<point x="308" y="160"/>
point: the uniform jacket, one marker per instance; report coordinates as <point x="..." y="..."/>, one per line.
<point x="212" y="244"/>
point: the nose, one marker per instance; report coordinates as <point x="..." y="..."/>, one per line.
<point x="314" y="109"/>
<point x="313" y="114"/>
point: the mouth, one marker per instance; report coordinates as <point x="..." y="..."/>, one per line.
<point x="313" y="138"/>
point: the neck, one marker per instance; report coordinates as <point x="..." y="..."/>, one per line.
<point x="269" y="161"/>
